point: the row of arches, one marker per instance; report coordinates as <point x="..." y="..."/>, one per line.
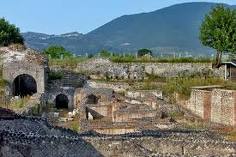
<point x="26" y="85"/>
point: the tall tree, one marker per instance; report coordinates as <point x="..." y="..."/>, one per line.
<point x="9" y="33"/>
<point x="218" y="31"/>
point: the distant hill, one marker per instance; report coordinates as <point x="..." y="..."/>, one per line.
<point x="171" y="29"/>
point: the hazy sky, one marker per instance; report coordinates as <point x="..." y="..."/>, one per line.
<point x="61" y="16"/>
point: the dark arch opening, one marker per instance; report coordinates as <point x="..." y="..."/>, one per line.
<point x="24" y="85"/>
<point x="92" y="99"/>
<point x="62" y="101"/>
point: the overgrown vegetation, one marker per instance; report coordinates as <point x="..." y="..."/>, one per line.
<point x="74" y="125"/>
<point x="3" y="82"/>
<point x="147" y="85"/>
<point x="67" y="62"/>
<point x="156" y="78"/>
<point x="143" y="52"/>
<point x="131" y="58"/>
<point x="53" y="75"/>
<point x="182" y="85"/>
<point x="18" y="103"/>
<point x="57" y="52"/>
<point x="9" y="34"/>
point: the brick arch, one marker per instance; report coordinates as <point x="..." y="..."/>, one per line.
<point x="68" y="94"/>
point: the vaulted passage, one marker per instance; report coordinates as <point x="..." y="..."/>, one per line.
<point x="62" y="101"/>
<point x="24" y="85"/>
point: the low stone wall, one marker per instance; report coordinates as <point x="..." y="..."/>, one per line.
<point x="129" y="116"/>
<point x="103" y="68"/>
<point x="173" y="69"/>
<point x="137" y="94"/>
<point x="116" y="86"/>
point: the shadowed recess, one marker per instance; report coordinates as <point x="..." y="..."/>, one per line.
<point x="62" y="101"/>
<point x="24" y="85"/>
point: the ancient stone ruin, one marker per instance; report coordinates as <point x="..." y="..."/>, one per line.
<point x="25" y="70"/>
<point x="26" y="136"/>
<point x="114" y="120"/>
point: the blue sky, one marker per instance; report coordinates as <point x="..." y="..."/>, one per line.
<point x="62" y="16"/>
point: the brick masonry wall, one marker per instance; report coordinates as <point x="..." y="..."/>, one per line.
<point x="199" y="103"/>
<point x="223" y="106"/>
<point x="218" y="105"/>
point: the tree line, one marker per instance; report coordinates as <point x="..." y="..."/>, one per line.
<point x="218" y="31"/>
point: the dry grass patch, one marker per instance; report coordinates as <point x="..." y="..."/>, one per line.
<point x="19" y="103"/>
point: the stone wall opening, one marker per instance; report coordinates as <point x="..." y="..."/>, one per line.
<point x="62" y="101"/>
<point x="92" y="99"/>
<point x="24" y="85"/>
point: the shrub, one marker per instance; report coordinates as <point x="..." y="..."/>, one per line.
<point x="182" y="85"/>
<point x="57" y="52"/>
<point x="105" y="53"/>
<point x="19" y="103"/>
<point x="152" y="77"/>
<point x="66" y="62"/>
<point x="55" y="75"/>
<point x="143" y="52"/>
<point x="74" y="126"/>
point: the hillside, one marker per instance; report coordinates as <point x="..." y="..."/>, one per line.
<point x="171" y="29"/>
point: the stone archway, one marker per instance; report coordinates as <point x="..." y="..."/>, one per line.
<point x="24" y="85"/>
<point x="62" y="101"/>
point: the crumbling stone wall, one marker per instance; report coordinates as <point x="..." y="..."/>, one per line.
<point x="173" y="69"/>
<point x="103" y="68"/>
